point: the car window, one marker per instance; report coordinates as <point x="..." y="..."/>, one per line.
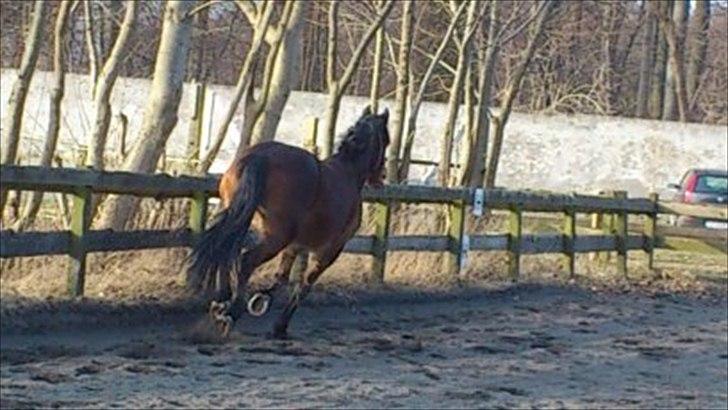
<point x="712" y="184"/>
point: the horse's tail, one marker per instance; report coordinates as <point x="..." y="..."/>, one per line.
<point x="221" y="244"/>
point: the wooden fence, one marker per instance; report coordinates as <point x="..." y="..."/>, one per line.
<point x="613" y="211"/>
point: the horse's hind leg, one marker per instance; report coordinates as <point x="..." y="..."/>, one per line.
<point x="231" y="310"/>
<point x="260" y="300"/>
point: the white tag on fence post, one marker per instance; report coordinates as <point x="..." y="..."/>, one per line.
<point x="478" y="200"/>
<point x="464" y="248"/>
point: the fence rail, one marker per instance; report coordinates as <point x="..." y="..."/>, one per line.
<point x="612" y="211"/>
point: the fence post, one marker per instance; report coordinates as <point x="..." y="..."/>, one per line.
<point x="515" y="230"/>
<point x="620" y="230"/>
<point x="650" y="232"/>
<point x="455" y="231"/>
<point x="198" y="214"/>
<point x="607" y="228"/>
<point x="569" y="241"/>
<point x="80" y="221"/>
<point x="596" y="223"/>
<point x="382" y="214"/>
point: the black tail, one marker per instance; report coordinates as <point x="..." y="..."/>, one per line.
<point x="222" y="243"/>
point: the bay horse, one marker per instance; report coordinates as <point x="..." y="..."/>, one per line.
<point x="277" y="198"/>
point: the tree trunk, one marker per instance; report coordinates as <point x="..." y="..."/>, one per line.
<point x="647" y="61"/>
<point x="286" y="71"/>
<point x="93" y="53"/>
<point x="499" y="121"/>
<point x="697" y="42"/>
<point x="657" y="87"/>
<point x="475" y="172"/>
<point x="243" y="87"/>
<point x="54" y="120"/>
<point x="403" y="90"/>
<point x="103" y="87"/>
<point x="679" y="16"/>
<point x="337" y="86"/>
<point x="416" y="100"/>
<point x="13" y="117"/>
<point x="675" y="42"/>
<point x="377" y="69"/>
<point x="454" y="101"/>
<point x="160" y="115"/>
<point x="497" y="127"/>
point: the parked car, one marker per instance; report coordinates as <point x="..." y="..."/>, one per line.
<point x="702" y="186"/>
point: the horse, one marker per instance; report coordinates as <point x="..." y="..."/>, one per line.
<point x="277" y="198"/>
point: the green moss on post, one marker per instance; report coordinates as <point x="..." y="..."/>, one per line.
<point x="569" y="240"/>
<point x="455" y="232"/>
<point x="80" y="221"/>
<point x="515" y="230"/>
<point x="381" y="213"/>
<point x="198" y="214"/>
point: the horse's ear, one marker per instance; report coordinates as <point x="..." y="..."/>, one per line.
<point x="385" y="115"/>
<point x="367" y="111"/>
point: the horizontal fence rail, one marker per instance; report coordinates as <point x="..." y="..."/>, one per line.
<point x="612" y="232"/>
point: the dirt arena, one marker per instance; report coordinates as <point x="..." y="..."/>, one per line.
<point x="527" y="345"/>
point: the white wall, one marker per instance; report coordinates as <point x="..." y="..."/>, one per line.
<point x="561" y="152"/>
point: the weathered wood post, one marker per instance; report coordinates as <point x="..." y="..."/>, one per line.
<point x="309" y="144"/>
<point x="515" y="231"/>
<point x="620" y="230"/>
<point x="596" y="224"/>
<point x="650" y="232"/>
<point x="569" y="241"/>
<point x="382" y="212"/>
<point x="80" y="222"/>
<point x="607" y="228"/>
<point x="455" y="231"/>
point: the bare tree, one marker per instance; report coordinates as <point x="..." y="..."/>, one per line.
<point x="448" y="133"/>
<point x="160" y="116"/>
<point x="418" y="97"/>
<point x="402" y="69"/>
<point x="697" y="41"/>
<point x="499" y="119"/>
<point x="54" y="121"/>
<point x="674" y="31"/>
<point x="474" y="172"/>
<point x="675" y="82"/>
<point x="647" y="60"/>
<point x="12" y="121"/>
<point x="377" y="69"/>
<point x="103" y="84"/>
<point x="337" y="84"/>
<point x="260" y="20"/>
<point x="285" y="69"/>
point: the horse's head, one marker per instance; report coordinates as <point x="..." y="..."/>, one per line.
<point x="365" y="144"/>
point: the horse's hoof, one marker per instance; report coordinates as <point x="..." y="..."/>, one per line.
<point x="258" y="304"/>
<point x="224" y="324"/>
<point x="218" y="308"/>
<point x="278" y="334"/>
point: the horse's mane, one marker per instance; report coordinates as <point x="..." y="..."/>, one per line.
<point x="347" y="138"/>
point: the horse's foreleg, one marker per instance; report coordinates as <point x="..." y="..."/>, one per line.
<point x="301" y="290"/>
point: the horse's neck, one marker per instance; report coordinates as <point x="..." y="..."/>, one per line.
<point x="347" y="168"/>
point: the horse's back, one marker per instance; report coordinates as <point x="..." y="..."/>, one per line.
<point x="291" y="180"/>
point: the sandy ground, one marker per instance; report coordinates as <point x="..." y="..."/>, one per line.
<point x="527" y="345"/>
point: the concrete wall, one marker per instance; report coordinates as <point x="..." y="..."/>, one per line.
<point x="556" y="152"/>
